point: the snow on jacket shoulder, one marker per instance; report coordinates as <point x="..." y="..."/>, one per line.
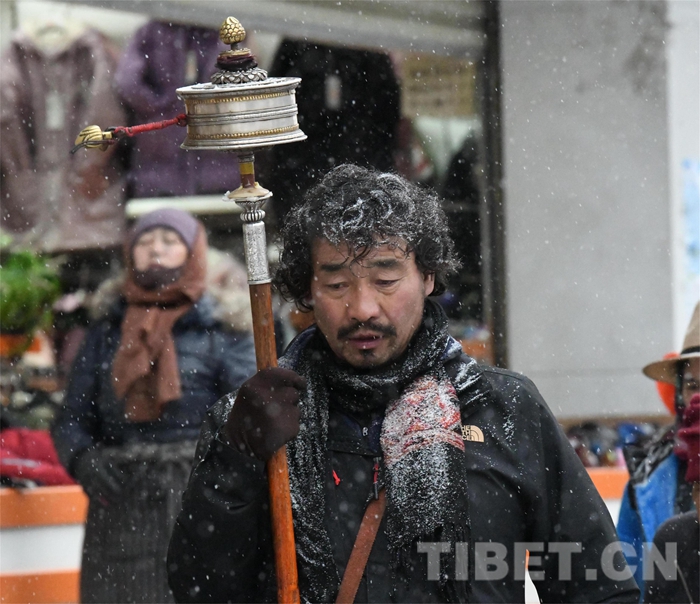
<point x="526" y="486"/>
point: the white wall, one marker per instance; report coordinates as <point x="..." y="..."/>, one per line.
<point x="587" y="200"/>
<point x="683" y="85"/>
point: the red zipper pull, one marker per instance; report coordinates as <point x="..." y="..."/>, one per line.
<point x="336" y="478"/>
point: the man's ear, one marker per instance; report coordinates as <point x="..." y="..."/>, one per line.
<point x="307" y="303"/>
<point x="429" y="282"/>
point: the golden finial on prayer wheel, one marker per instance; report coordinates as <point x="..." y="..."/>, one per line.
<point x="231" y="31"/>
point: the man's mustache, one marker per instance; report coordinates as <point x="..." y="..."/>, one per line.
<point x="346" y="332"/>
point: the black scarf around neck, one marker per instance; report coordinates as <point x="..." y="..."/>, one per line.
<point x="424" y="472"/>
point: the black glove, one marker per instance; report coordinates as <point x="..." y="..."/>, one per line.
<point x="265" y="415"/>
<point x="100" y="478"/>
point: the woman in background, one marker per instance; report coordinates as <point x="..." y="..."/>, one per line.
<point x="148" y="370"/>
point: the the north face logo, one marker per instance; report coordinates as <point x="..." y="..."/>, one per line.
<point x="472" y="433"/>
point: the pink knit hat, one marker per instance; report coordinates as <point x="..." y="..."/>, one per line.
<point x="181" y="222"/>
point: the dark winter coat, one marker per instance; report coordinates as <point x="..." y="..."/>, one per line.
<point x="126" y="540"/>
<point x="349" y="107"/>
<point x="212" y="362"/>
<point x="681" y="531"/>
<point x="525" y="484"/>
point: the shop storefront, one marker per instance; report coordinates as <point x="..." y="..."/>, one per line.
<point x="412" y="95"/>
<point x="408" y="88"/>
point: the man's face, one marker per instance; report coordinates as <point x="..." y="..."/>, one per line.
<point x="368" y="310"/>
<point x="690" y="381"/>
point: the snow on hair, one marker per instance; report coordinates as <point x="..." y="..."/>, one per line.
<point x="364" y="209"/>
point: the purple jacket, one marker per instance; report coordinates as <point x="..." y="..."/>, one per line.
<point x="160" y="58"/>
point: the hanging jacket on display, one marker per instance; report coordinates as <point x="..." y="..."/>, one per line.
<point x="462" y="187"/>
<point x="349" y="107"/>
<point x="52" y="200"/>
<point x="160" y="58"/>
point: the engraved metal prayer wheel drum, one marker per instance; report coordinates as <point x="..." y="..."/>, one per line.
<point x="236" y="117"/>
<point x="241" y="108"/>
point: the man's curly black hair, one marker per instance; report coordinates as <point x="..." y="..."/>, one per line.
<point x="363" y="209"/>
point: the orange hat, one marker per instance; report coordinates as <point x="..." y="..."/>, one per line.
<point x="667" y="392"/>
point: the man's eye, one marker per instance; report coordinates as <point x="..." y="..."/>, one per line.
<point x="335" y="285"/>
<point x="386" y="282"/>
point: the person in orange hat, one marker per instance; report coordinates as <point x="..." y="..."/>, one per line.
<point x="656" y="490"/>
<point x="682" y="530"/>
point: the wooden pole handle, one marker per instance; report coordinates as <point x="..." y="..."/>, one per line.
<point x="277" y="471"/>
<point x="251" y="197"/>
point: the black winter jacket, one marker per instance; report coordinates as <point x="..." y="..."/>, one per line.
<point x="212" y="362"/>
<point x="525" y="485"/>
<point x="683" y="585"/>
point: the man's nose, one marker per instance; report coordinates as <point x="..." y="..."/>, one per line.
<point x="362" y="304"/>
